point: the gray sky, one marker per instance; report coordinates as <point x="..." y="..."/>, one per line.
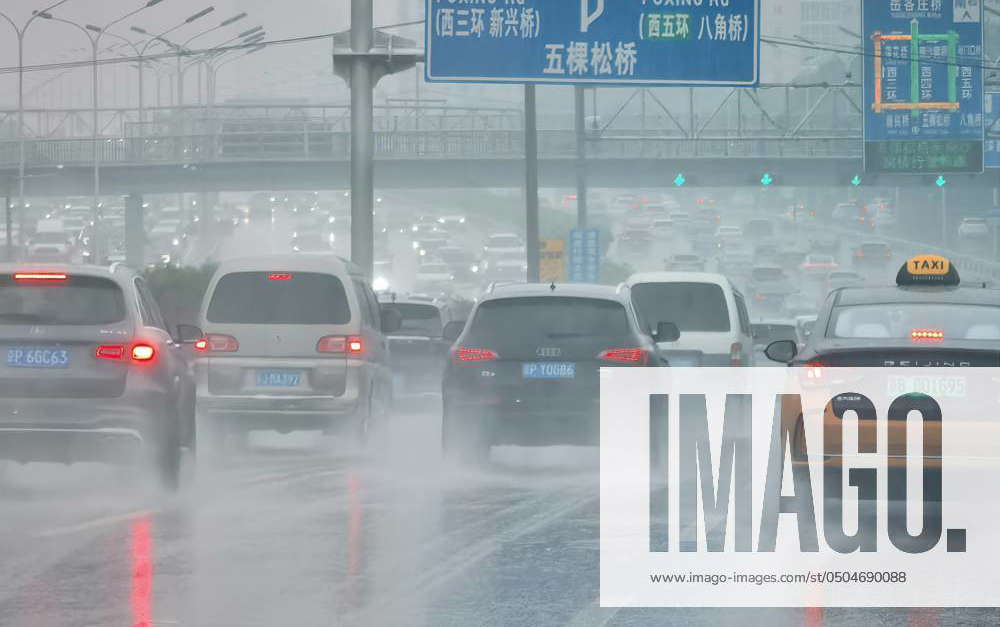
<point x="302" y="70"/>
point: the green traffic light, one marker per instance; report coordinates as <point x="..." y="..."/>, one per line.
<point x="680" y="180"/>
<point x="856" y="181"/>
<point x="941" y="181"/>
<point x="767" y="179"/>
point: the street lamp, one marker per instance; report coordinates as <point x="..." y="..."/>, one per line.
<point x="94" y="35"/>
<point x="160" y="38"/>
<point x="21" y="32"/>
<point x="213" y="72"/>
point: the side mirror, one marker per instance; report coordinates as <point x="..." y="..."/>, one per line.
<point x="782" y="351"/>
<point x="391" y="321"/>
<point x="667" y="332"/>
<point x="453" y="330"/>
<point x="188" y="334"/>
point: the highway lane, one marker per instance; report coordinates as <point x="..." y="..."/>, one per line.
<point x="301" y="531"/>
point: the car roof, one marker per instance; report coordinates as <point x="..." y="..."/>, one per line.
<point x="324" y="263"/>
<point x="785" y="322"/>
<point x="678" y="277"/>
<point x="566" y="290"/>
<point x="848" y="296"/>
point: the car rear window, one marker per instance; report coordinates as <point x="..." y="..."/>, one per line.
<point x="768" y="274"/>
<point x="420" y="320"/>
<point x="297" y="298"/>
<point x="698" y="307"/>
<point x="766" y="333"/>
<point x="536" y="320"/>
<point x="76" y="301"/>
<point x="898" y="321"/>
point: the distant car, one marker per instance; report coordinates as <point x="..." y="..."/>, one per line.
<point x="684" y="262"/>
<point x="417" y="349"/>
<point x="825" y="242"/>
<point x="635" y="242"/>
<point x="624" y="203"/>
<point x="662" y="228"/>
<point x="49" y="247"/>
<point x="724" y="233"/>
<point x="799" y="304"/>
<point x="765" y="254"/>
<point x="735" y="257"/>
<point x="973" y="228"/>
<point x="767" y="287"/>
<point x="504" y="270"/>
<point x="843" y="278"/>
<point x="429" y="244"/>
<point x="434" y="276"/>
<point x="499" y="244"/>
<point x="461" y="262"/>
<point x="91" y="372"/>
<point x="817" y="266"/>
<point x="310" y="242"/>
<point x="680" y="219"/>
<point x="452" y="222"/>
<point x="872" y="255"/>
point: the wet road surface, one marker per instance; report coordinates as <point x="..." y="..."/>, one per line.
<point x="296" y="531"/>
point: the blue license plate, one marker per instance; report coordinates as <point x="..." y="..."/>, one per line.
<point x="549" y="370"/>
<point x="33" y="357"/>
<point x="278" y="379"/>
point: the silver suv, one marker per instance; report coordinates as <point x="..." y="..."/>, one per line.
<point x="90" y="371"/>
<point x="292" y="342"/>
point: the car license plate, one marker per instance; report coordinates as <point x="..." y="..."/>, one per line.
<point x="548" y="370"/>
<point x="278" y="379"/>
<point x="945" y="387"/>
<point x="30" y="357"/>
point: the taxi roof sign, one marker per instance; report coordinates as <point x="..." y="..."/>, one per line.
<point x="927" y="270"/>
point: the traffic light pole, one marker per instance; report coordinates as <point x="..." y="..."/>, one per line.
<point x="532" y="235"/>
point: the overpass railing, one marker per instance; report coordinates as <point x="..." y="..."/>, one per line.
<point x="248" y="145"/>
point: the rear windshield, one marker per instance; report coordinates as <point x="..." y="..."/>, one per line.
<point x="898" y="321"/>
<point x="534" y="321"/>
<point x="256" y="298"/>
<point x="691" y="306"/>
<point x="77" y="301"/>
<point x="420" y="320"/>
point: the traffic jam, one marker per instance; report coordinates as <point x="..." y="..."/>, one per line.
<point x="448" y="358"/>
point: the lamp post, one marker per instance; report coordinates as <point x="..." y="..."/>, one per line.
<point x="94" y="34"/>
<point x="21" y="32"/>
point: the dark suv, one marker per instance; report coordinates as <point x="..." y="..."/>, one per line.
<point x="89" y="370"/>
<point x="524" y="370"/>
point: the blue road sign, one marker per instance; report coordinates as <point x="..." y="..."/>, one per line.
<point x="640" y="42"/>
<point x="923" y="85"/>
<point x="991" y="120"/>
<point x="585" y="256"/>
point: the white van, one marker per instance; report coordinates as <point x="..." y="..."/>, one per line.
<point x="707" y="309"/>
<point x="291" y="343"/>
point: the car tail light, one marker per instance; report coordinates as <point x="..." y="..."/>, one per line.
<point x="736" y="354"/>
<point x="464" y="355"/>
<point x="927" y="336"/>
<point x="110" y="351"/>
<point x="624" y="356"/>
<point x="143" y="352"/>
<point x="219" y="343"/>
<point x="201" y="345"/>
<point x="279" y="276"/>
<point x="341" y="345"/>
<point x="40" y="276"/>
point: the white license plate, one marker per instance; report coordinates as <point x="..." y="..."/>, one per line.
<point x="548" y="370"/>
<point x="945" y="387"/>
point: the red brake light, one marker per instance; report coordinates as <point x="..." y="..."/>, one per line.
<point x="814" y="370"/>
<point x="462" y="354"/>
<point x="110" y="351"/>
<point x="218" y="343"/>
<point x="143" y="352"/>
<point x="201" y="345"/>
<point x="279" y="276"/>
<point x="339" y="344"/>
<point x="930" y="336"/>
<point x="40" y="276"/>
<point x="624" y="355"/>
